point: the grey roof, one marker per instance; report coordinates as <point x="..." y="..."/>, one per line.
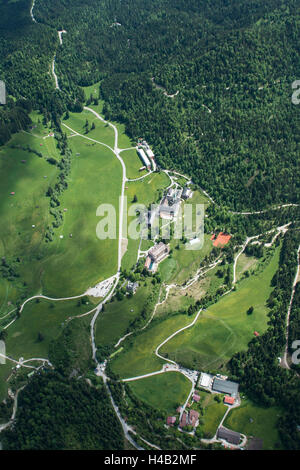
<point x="229" y="436"/>
<point x="226" y="386"/>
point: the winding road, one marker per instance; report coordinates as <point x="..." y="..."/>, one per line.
<point x="172" y="366"/>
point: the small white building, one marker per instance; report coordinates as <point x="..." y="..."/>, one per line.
<point x="186" y="193"/>
<point x="205" y="380"/>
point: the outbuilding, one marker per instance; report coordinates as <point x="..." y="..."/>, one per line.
<point x="230" y="436"/>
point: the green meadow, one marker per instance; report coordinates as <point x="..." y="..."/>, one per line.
<point x="28" y="176"/>
<point x="124" y="142"/>
<point x="76" y="259"/>
<point x="164" y="392"/>
<point x="183" y="263"/>
<point x="179" y="299"/>
<point x="225" y="328"/>
<point x="76" y="263"/>
<point x="44" y="317"/>
<point x="138" y="356"/>
<point x="245" y="263"/>
<point x="213" y="413"/>
<point x="254" y="420"/>
<point x="41" y="321"/>
<point x="113" y="322"/>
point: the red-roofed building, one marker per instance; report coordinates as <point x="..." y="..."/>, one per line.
<point x="183" y="422"/>
<point x="171" y="420"/>
<point x="256" y="333"/>
<point x="229" y="400"/>
<point x="193" y="417"/>
<point x="196" y="398"/>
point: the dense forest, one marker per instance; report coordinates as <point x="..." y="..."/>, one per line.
<point x="232" y="125"/>
<point x="56" y="413"/>
<point x="13" y="118"/>
<point x="207" y="83"/>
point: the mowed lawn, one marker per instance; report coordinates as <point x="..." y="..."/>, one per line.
<point x="225" y="328"/>
<point x="80" y="262"/>
<point x="138" y="356"/>
<point x="164" y="392"/>
<point x="254" y="420"/>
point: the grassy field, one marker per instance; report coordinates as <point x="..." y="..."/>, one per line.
<point x="245" y="263"/>
<point x="79" y="262"/>
<point x="138" y="357"/>
<point x="30" y="335"/>
<point x="164" y="392"/>
<point x="254" y="420"/>
<point x="29" y="206"/>
<point x="124" y="142"/>
<point x="183" y="263"/>
<point x="67" y="266"/>
<point x="102" y="132"/>
<point x="225" y="327"/>
<point x="179" y="299"/>
<point x="133" y="164"/>
<point x="112" y="324"/>
<point x="213" y="413"/>
<point x="45" y="317"/>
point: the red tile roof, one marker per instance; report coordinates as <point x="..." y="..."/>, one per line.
<point x="171" y="420"/>
<point x="222" y="239"/>
<point x="229" y="400"/>
<point x="183" y="421"/>
<point x="193" y="417"/>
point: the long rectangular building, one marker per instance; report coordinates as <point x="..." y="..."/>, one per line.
<point x="225" y="386"/>
<point x="144" y="158"/>
<point x="230" y="436"/>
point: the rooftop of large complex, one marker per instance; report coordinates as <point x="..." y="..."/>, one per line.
<point x="225" y="386"/>
<point x="158" y="251"/>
